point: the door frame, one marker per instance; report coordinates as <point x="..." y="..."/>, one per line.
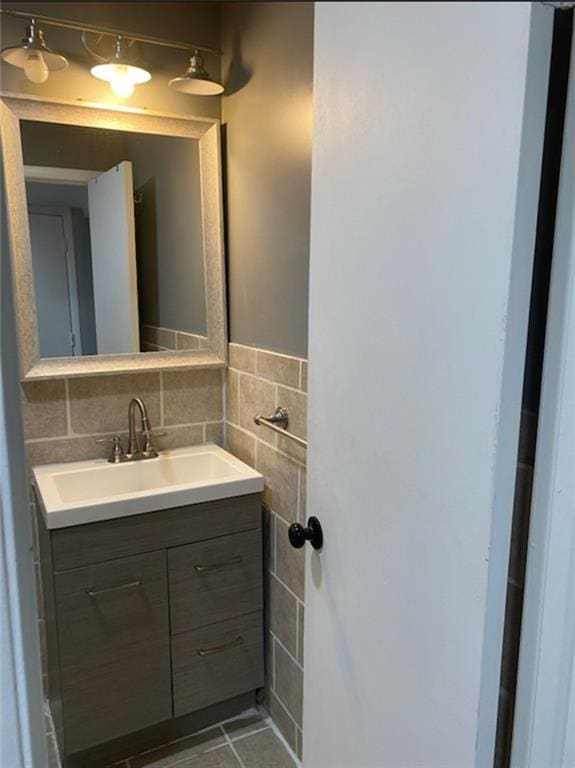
<point x="545" y="700"/>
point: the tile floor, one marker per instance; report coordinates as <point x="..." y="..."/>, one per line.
<point x="249" y="741"/>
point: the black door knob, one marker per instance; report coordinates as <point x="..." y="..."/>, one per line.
<point x="298" y="535"/>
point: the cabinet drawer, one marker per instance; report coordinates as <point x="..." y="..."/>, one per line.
<point x="136" y="534"/>
<point x="113" y="639"/>
<point x="214" y="663"/>
<point x="215" y="580"/>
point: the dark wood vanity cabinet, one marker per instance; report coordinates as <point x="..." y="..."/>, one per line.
<point x="151" y="617"/>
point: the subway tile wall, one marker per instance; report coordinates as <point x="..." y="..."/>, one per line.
<point x="258" y="382"/>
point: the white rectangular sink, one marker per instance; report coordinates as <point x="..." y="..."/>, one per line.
<point x="89" y="491"/>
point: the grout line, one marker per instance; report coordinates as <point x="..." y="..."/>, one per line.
<point x="267" y="351"/>
<point x="295" y="460"/>
<point x="291" y="387"/>
<point x="282" y="646"/>
<point x="80" y="436"/>
<point x="242" y="736"/>
<point x="280" y="735"/>
<point x="68" y="407"/>
<point x="233" y="749"/>
<point x="287" y="589"/>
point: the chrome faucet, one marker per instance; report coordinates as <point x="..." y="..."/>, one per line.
<point x="135" y="451"/>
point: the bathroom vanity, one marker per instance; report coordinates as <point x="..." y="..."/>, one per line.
<point x="154" y="617"/>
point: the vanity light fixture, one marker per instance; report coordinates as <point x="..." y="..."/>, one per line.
<point x="196" y="80"/>
<point x="34" y="56"/>
<point x="121" y="72"/>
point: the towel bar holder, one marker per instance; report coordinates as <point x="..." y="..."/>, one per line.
<point x="279" y="423"/>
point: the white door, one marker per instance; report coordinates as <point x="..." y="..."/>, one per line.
<point x="427" y="140"/>
<point x="113" y="243"/>
<point x="55" y="283"/>
<point x="544" y="728"/>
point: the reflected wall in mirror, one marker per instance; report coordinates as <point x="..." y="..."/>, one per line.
<point x="117" y="240"/>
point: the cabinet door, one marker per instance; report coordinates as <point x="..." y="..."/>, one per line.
<point x="113" y="637"/>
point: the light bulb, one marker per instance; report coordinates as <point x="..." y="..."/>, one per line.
<point x="35" y="68"/>
<point x="122" y="86"/>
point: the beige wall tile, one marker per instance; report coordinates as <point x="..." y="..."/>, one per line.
<point x="296" y="405"/>
<point x="44" y="408"/>
<point x="180" y="437"/>
<point x="257" y="397"/>
<point x="187" y="341"/>
<point x="232" y="397"/>
<point x="281" y="476"/>
<point x="192" y="396"/>
<point x="100" y="403"/>
<point x="161" y="337"/>
<point x="215" y="433"/>
<point x="241" y="445"/>
<point x="288" y="683"/>
<point x="303" y="376"/>
<point x="66" y="449"/>
<point x="281" y="614"/>
<point x="242" y="358"/>
<point x="290" y="562"/>
<point x="300" y="632"/>
<point x="284" y="370"/>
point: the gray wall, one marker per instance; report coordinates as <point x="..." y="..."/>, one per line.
<point x="171" y="271"/>
<point x="266" y="110"/>
<point x="195" y="22"/>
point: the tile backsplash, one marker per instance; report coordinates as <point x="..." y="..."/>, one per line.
<point x="258" y="381"/>
<point x="64" y="418"/>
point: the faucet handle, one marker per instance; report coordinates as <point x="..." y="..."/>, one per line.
<point x="149" y="450"/>
<point x="117" y="456"/>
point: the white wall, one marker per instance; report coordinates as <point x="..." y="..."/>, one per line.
<point x="428" y="130"/>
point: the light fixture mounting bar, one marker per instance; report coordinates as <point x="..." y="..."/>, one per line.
<point x="50" y="21"/>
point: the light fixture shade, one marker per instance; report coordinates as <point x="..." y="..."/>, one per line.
<point x="33" y="43"/>
<point x="111" y="70"/>
<point x="120" y="70"/>
<point x="196" y="81"/>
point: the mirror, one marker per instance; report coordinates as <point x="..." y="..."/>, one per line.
<point x="117" y="245"/>
<point x="123" y="254"/>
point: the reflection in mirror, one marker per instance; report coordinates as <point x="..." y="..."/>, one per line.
<point x="117" y="243"/>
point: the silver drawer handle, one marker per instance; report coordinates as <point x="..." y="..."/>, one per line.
<point x="203" y="567"/>
<point x="219" y="648"/>
<point x="117" y="588"/>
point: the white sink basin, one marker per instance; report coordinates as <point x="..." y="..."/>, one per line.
<point x="88" y="491"/>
